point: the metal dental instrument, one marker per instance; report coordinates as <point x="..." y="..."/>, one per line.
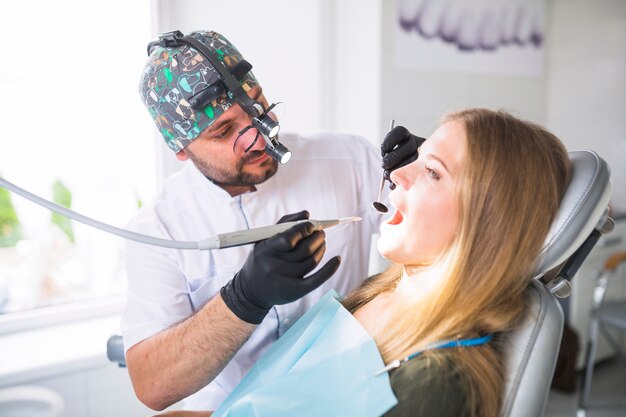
<point x="377" y="204"/>
<point x="225" y="240"/>
<point x="243" y="237"/>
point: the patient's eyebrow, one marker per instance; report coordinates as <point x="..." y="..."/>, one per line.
<point x="436" y="158"/>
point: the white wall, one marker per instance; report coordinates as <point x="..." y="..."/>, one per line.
<point x="586" y="88"/>
<point x="356" y="99"/>
<point x="71" y="360"/>
<point x="417" y="99"/>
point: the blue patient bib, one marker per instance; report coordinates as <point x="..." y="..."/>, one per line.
<point x="324" y="365"/>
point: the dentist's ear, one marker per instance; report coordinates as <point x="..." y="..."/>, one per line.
<point x="182" y="155"/>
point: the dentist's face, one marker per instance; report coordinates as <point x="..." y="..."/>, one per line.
<point x="221" y="157"/>
<point x="426" y="199"/>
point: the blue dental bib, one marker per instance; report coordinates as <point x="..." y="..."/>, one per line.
<point x="324" y="365"/>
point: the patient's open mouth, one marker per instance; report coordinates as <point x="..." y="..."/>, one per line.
<point x="396" y="219"/>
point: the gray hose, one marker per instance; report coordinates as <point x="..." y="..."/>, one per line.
<point x="126" y="234"/>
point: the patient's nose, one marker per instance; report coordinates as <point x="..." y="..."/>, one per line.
<point x="403" y="177"/>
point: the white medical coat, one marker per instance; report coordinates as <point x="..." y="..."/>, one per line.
<point x="331" y="176"/>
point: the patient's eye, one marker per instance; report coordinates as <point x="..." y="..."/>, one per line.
<point x="432" y="173"/>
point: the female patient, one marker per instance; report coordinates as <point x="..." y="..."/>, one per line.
<point x="471" y="216"/>
<point x="472" y="213"/>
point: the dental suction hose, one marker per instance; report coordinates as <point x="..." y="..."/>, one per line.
<point x="126" y="234"/>
<point x="224" y="240"/>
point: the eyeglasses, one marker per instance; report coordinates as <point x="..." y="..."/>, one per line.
<point x="251" y="132"/>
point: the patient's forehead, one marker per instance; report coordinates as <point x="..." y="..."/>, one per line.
<point x="448" y="143"/>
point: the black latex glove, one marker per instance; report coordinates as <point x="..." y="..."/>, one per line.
<point x="399" y="148"/>
<point x="273" y="273"/>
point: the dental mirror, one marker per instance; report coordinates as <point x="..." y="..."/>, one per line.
<point x="380" y="207"/>
<point x="377" y="204"/>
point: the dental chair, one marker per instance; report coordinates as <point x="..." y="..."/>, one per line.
<point x="531" y="350"/>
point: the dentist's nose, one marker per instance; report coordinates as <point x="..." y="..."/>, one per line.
<point x="260" y="144"/>
<point x="248" y="141"/>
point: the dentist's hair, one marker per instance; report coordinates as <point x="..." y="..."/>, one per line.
<point x="513" y="178"/>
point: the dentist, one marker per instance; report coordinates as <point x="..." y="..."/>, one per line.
<point x="195" y="322"/>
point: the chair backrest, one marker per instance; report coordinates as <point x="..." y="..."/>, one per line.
<point x="531" y="350"/>
<point x="531" y="353"/>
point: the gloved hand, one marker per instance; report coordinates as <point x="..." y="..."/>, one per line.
<point x="399" y="148"/>
<point x="273" y="273"/>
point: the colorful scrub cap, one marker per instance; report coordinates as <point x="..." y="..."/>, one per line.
<point x="174" y="74"/>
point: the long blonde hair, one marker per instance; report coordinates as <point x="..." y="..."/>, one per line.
<point x="514" y="175"/>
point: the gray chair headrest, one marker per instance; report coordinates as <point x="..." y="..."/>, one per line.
<point x="584" y="207"/>
<point x="531" y="349"/>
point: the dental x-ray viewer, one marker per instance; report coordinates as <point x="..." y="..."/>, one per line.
<point x="195" y="322"/>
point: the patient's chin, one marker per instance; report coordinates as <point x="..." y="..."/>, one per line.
<point x="387" y="247"/>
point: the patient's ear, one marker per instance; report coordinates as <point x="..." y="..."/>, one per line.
<point x="182" y="155"/>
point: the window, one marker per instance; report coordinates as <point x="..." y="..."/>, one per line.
<point x="74" y="131"/>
